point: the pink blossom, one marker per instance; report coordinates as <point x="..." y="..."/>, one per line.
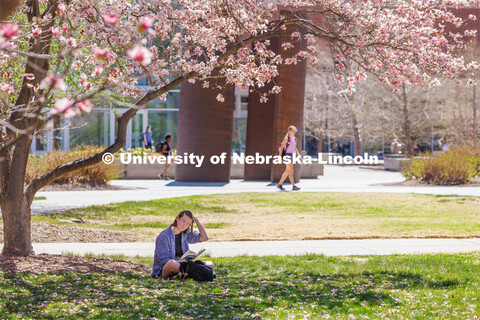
<point x="36" y="31"/>
<point x="340" y="66"/>
<point x="340" y="78"/>
<point x="291" y="61"/>
<point x="62" y="105"/>
<point x="287" y="45"/>
<point x="61" y="7"/>
<point x="295" y="34"/>
<point x="145" y="24"/>
<point x="72" y="42"/>
<point x="140" y="54"/>
<point x="6" y="87"/>
<point x="83" y="77"/>
<point x="276" y="90"/>
<point x="220" y="97"/>
<point x="70" y="113"/>
<point x="111" y="18"/>
<point x="83" y="106"/>
<point x="29" y="76"/>
<point x="56" y="31"/>
<point x="98" y="70"/>
<point x="56" y="83"/>
<point x="100" y="53"/>
<point x="8" y="30"/>
<point x="60" y="85"/>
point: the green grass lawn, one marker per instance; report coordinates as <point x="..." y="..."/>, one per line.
<point x="306" y="287"/>
<point x="275" y="216"/>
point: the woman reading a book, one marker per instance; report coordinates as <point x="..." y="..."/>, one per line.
<point x="172" y="243"/>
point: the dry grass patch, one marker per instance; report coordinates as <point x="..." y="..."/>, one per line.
<point x="285" y="216"/>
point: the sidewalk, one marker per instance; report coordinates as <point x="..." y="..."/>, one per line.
<point x="282" y="248"/>
<point x="336" y="179"/>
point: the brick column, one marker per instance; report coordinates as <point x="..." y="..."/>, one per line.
<point x="205" y="127"/>
<point x="267" y="123"/>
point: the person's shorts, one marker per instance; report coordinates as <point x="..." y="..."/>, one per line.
<point x="289" y="155"/>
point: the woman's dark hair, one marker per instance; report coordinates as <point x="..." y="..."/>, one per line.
<point x="149" y="127"/>
<point x="187" y="213"/>
<point x="167" y="136"/>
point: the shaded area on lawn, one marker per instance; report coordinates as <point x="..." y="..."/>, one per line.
<point x="252" y="287"/>
<point x="44" y="263"/>
<point x="74" y="232"/>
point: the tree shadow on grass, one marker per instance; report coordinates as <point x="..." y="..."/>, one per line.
<point x="42" y="263"/>
<point x="134" y="295"/>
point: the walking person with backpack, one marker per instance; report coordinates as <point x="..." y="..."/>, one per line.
<point x="165" y="149"/>
<point x="287" y="149"/>
<point x="173" y="242"/>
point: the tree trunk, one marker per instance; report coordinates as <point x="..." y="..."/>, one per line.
<point x="14" y="203"/>
<point x="474" y="106"/>
<point x="16" y="226"/>
<point x="406" y="125"/>
<point x="356" y="137"/>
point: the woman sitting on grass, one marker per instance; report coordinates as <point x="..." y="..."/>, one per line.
<point x="173" y="242"/>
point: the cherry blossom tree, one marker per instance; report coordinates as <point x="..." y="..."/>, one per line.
<point x="56" y="57"/>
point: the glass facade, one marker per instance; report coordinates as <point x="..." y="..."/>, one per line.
<point x="90" y="128"/>
<point x="163" y="122"/>
<point x="99" y="126"/>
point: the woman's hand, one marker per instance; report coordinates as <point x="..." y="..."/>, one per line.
<point x="201" y="229"/>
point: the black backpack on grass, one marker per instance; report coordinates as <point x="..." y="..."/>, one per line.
<point x="196" y="270"/>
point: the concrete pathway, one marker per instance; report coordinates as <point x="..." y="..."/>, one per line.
<point x="282" y="248"/>
<point x="336" y="179"/>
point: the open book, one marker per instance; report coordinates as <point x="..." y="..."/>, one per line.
<point x="191" y="255"/>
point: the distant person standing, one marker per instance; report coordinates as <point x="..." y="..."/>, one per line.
<point x="237" y="142"/>
<point x="395" y="147"/>
<point x="445" y="146"/>
<point x="147" y="138"/>
<point x="166" y="151"/>
<point x="289" y="143"/>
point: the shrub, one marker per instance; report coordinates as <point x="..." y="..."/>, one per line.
<point x="137" y="151"/>
<point x="98" y="174"/>
<point x="457" y="166"/>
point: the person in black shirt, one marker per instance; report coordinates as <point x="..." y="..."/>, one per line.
<point x="173" y="242"/>
<point x="166" y="151"/>
<point x="178" y="245"/>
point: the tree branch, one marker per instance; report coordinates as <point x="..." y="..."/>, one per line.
<point x="123" y="120"/>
